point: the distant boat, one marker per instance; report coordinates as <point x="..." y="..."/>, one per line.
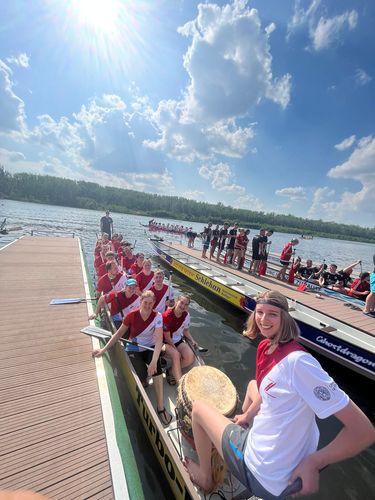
<point x="307" y="236"/>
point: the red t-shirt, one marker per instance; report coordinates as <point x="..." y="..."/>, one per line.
<point x="159" y="295"/>
<point x="265" y="362"/>
<point x="135" y="268"/>
<point x="239" y="242"/>
<point x="286" y="252"/>
<point x="119" y="302"/>
<point x="359" y="286"/>
<point x="136" y="324"/>
<point x="145" y="282"/>
<point x="98" y="261"/>
<point x="106" y="285"/>
<point x="127" y="262"/>
<point x="101" y="270"/>
<point x="116" y="245"/>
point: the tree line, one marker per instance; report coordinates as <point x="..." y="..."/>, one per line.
<point x="82" y="194"/>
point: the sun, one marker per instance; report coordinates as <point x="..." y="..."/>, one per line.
<point x="100" y="15"/>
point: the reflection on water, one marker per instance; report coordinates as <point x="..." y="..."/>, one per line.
<point x="216" y="326"/>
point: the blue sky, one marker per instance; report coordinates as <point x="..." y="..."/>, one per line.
<point x="265" y="105"/>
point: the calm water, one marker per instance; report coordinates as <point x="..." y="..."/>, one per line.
<point x="217" y="326"/>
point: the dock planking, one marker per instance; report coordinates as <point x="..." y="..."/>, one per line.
<point x="51" y="427"/>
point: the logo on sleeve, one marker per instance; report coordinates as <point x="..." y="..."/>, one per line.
<point x="322" y="393"/>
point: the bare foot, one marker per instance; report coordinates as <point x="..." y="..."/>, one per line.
<point x="196" y="475"/>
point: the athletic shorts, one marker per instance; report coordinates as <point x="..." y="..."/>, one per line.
<point x="255" y="256"/>
<point x="284" y="262"/>
<point x="233" y="444"/>
<point x="206" y="244"/>
<point x="140" y="360"/>
<point x="372" y="282"/>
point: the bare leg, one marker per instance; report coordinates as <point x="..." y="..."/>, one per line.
<point x="208" y="427"/>
<point x="187" y="355"/>
<point x="175" y="356"/>
<point x="158" y="385"/>
<point x="370" y="302"/>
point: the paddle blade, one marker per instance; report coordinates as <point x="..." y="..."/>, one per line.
<point x="202" y="349"/>
<point x="95" y="331"/>
<point x="56" y="302"/>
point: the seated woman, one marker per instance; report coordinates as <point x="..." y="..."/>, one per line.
<point x="145" y="327"/>
<point x="176" y="323"/>
<point x="137" y="266"/>
<point x="119" y="303"/>
<point x="278" y="453"/>
<point x="360" y="288"/>
<point x="164" y="294"/>
<point x="145" y="278"/>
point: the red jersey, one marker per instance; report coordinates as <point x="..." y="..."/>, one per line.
<point x="161" y="297"/>
<point x="141" y="330"/>
<point x="116" y="245"/>
<point x="127" y="262"/>
<point x="135" y="268"/>
<point x="175" y="326"/>
<point x="359" y="286"/>
<point x="286" y="252"/>
<point x="101" y="270"/>
<point x="145" y="282"/>
<point x="265" y="362"/>
<point x="106" y="284"/>
<point x="98" y="261"/>
<point x="119" y="303"/>
<point x="239" y="242"/>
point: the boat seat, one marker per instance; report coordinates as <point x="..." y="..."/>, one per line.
<point x="328" y="329"/>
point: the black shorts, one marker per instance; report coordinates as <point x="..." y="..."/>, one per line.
<point x="284" y="262"/>
<point x="255" y="256"/>
<point x="140" y="360"/>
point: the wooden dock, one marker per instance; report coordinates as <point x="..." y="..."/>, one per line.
<point x="57" y="425"/>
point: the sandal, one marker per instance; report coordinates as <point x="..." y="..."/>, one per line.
<point x="170" y="378"/>
<point x="164" y="417"/>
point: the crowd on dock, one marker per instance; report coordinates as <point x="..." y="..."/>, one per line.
<point x="228" y="245"/>
<point x="271" y="445"/>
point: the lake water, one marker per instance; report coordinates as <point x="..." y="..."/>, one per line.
<point x="216" y="326"/>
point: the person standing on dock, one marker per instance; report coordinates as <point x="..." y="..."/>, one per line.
<point x="230" y="246"/>
<point x="272" y="446"/>
<point x="285" y="256"/>
<point x="206" y="236"/>
<point x="222" y="239"/>
<point x="106" y="224"/>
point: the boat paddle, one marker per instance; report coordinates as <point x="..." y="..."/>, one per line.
<point x="191" y="345"/>
<point x="100" y="333"/>
<point x="58" y="302"/>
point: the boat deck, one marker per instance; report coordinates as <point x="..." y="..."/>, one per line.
<point x="326" y="305"/>
<point x="52" y="432"/>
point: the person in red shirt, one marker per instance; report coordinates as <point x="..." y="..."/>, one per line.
<point x="119" y="303"/>
<point x="102" y="270"/>
<point x="360" y="288"/>
<point x="116" y="242"/>
<point x="145" y="328"/>
<point x="145" y="278"/>
<point x="239" y="245"/>
<point x="163" y="292"/>
<point x="176" y="322"/>
<point x="127" y="258"/>
<point x="113" y="280"/>
<point x="137" y="266"/>
<point x="285" y="256"/>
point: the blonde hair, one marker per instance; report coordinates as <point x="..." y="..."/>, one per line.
<point x="289" y="330"/>
<point x="147" y="261"/>
<point x="158" y="272"/>
<point x="148" y="294"/>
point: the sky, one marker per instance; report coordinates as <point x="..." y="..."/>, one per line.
<point x="265" y="105"/>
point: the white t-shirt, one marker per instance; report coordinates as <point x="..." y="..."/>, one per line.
<point x="285" y="431"/>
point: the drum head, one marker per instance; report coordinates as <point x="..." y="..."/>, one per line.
<point x="211" y="385"/>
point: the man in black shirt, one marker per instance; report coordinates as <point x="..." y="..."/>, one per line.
<point x="222" y="238"/>
<point x="106" y="224"/>
<point x="206" y="236"/>
<point x="258" y="250"/>
<point x="230" y="246"/>
<point x="309" y="272"/>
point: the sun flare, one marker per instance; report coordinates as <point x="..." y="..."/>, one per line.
<point x="100" y="15"/>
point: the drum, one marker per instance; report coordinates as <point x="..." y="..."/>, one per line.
<point x="208" y="384"/>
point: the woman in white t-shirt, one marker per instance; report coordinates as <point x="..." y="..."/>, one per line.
<point x="278" y="454"/>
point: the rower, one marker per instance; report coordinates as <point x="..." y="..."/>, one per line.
<point x="163" y="292"/>
<point x="120" y="303"/>
<point x="113" y="280"/>
<point x="145" y="328"/>
<point x="176" y="322"/>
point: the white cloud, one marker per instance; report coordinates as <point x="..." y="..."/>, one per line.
<point x="248" y="202"/>
<point x="194" y="195"/>
<point x="221" y="176"/>
<point x="22" y="60"/>
<point x="323" y="31"/>
<point x="329" y="30"/>
<point x="302" y="16"/>
<point x="346" y="143"/>
<point x="294" y="193"/>
<point x="352" y="206"/>
<point x="229" y="64"/>
<point x="361" y="77"/>
<point x="12" y="116"/>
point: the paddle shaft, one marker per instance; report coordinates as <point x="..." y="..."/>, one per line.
<point x="103" y="336"/>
